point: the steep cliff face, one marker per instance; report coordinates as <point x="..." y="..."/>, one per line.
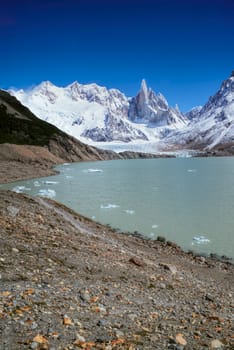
<point x="153" y="109"/>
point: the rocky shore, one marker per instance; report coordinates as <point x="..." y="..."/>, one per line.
<point x="67" y="282"/>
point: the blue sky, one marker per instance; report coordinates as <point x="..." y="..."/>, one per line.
<point x="184" y="49"/>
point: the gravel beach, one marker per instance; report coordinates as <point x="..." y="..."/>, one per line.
<point x="67" y="282"/>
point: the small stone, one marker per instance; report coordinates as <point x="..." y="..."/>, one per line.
<point x="136" y="261"/>
<point x="132" y="316"/>
<point x="34" y="345"/>
<point x="34" y="325"/>
<point x="200" y="259"/>
<point x="180" y="339"/>
<point x="13" y="211"/>
<point x="85" y="296"/>
<point x="79" y="338"/>
<point x="119" y="334"/>
<point x="101" y="323"/>
<point x="216" y="344"/>
<point x="169" y="267"/>
<point x="67" y="321"/>
<point x="15" y="250"/>
<point x="209" y="297"/>
<point x="179" y="347"/>
<point x="161" y="239"/>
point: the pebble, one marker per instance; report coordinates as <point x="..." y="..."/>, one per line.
<point x="34" y="345"/>
<point x="132" y="316"/>
<point x="34" y="325"/>
<point x="85" y="296"/>
<point x="79" y="337"/>
<point x="136" y="261"/>
<point x="216" y="344"/>
<point x="101" y="323"/>
<point x="13" y="211"/>
<point x="180" y="339"/>
<point x="169" y="267"/>
<point x="119" y="334"/>
<point x="15" y="250"/>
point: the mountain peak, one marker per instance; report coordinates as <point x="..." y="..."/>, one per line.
<point x="144" y="87"/>
<point x="46" y="84"/>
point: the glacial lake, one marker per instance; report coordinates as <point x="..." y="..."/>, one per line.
<point x="187" y="200"/>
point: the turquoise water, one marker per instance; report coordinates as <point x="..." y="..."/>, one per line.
<point x="187" y="200"/>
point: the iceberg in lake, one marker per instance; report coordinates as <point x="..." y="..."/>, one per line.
<point x="200" y="240"/>
<point x="154" y="226"/>
<point x="51" y="182"/>
<point x="92" y="170"/>
<point x="20" y="189"/>
<point x="47" y="193"/>
<point x="129" y="211"/>
<point x="109" y="206"/>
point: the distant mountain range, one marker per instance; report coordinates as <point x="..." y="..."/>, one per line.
<point x="97" y="115"/>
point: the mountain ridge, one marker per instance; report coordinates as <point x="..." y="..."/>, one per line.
<point x="100" y="116"/>
<point x="212" y="126"/>
<point x="93" y="113"/>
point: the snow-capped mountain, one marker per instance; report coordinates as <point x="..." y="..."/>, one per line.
<point x="193" y="113"/>
<point x="94" y="114"/>
<point x="213" y="125"/>
<point x="147" y="107"/>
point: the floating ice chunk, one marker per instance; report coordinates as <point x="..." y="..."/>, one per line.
<point x="47" y="193"/>
<point x="37" y="184"/>
<point x="129" y="211"/>
<point x="192" y="170"/>
<point x="92" y="170"/>
<point x="151" y="235"/>
<point x="51" y="182"/>
<point x="69" y="177"/>
<point x="200" y="239"/>
<point x="20" y="189"/>
<point x="109" y="206"/>
<point x="155" y="226"/>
